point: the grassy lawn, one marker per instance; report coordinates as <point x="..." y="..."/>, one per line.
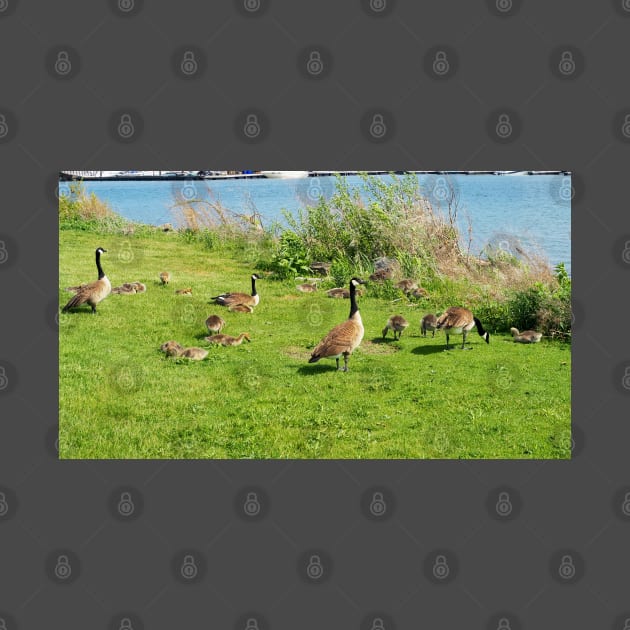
<point x="119" y="397"/>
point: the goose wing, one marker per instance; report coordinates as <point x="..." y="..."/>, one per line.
<point x="344" y="337"/>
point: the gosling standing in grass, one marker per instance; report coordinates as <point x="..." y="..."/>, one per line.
<point x="458" y="321"/>
<point x="94" y="292"/>
<point x="428" y="322"/>
<point x="165" y="277"/>
<point x="214" y="324"/>
<point x="527" y="336"/>
<point x="397" y="323"/>
<point x="344" y="337"/>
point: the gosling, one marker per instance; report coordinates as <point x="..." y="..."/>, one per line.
<point x="396" y="323"/>
<point x="171" y="348"/>
<point x="214" y="324"/>
<point x="527" y="336"/>
<point x="226" y="340"/>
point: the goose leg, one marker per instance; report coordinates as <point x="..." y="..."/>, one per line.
<point x="345" y="362"/>
<point x="337" y="359"/>
<point x="447" y="341"/>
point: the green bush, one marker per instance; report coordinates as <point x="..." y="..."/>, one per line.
<point x="290" y="257"/>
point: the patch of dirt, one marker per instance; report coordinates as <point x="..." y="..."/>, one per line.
<point x="296" y="352"/>
<point x="378" y="347"/>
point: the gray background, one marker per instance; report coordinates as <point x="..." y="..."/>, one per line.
<point x="377" y="59"/>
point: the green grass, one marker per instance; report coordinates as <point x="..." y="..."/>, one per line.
<point x="119" y="397"/>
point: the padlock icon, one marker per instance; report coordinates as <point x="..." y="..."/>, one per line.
<point x="504" y="624"/>
<point x="4" y="506"/>
<point x="625" y="128"/>
<point x="4" y="379"/>
<point x="625" y="506"/>
<point x="315" y="570"/>
<point x="251" y="624"/>
<point x="440" y="63"/>
<point x="125" y="126"/>
<point x="188" y="191"/>
<point x="125" y="255"/>
<point x="189" y="569"/>
<point x="566" y="190"/>
<point x="251" y="5"/>
<point x="440" y="190"/>
<point x="4" y="254"/>
<point x="315" y="65"/>
<point x="125" y="624"/>
<point x="315" y="317"/>
<point x="63" y="570"/>
<point x="377" y="127"/>
<point x="625" y="254"/>
<point x="625" y="381"/>
<point x="62" y="64"/>
<point x="315" y="192"/>
<point x="378" y="5"/>
<point x="189" y="65"/>
<point x="3" y="623"/>
<point x="567" y="63"/>
<point x="252" y="127"/>
<point x="441" y="569"/>
<point x="4" y="128"/>
<point x="626" y="623"/>
<point x="566" y="568"/>
<point x="378" y="507"/>
<point x="252" y="504"/>
<point x="504" y="5"/>
<point x="626" y="7"/>
<point x="125" y="505"/>
<point x="126" y="5"/>
<point x="503" y="505"/>
<point x="504" y="126"/>
<point x="378" y="624"/>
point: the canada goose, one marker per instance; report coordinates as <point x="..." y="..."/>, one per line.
<point x="397" y="323"/>
<point x="187" y="291"/>
<point x="124" y="289"/>
<point x="214" y="324"/>
<point x="165" y="277"/>
<point x="344" y="337"/>
<point x="428" y="322"/>
<point x="140" y="287"/>
<point x="419" y="292"/>
<point x="227" y="340"/>
<point x="240" y="308"/>
<point x="407" y="285"/>
<point x="196" y="354"/>
<point x="171" y="348"/>
<point x="458" y="321"/>
<point x="527" y="336"/>
<point x="306" y="287"/>
<point x="94" y="292"/>
<point x="382" y="274"/>
<point x="230" y="299"/>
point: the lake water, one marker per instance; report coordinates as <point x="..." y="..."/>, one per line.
<point x="505" y="210"/>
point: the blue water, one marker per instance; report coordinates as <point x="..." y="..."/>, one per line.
<point x="506" y="211"/>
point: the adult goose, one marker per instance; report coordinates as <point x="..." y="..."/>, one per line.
<point x="458" y="321"/>
<point x="343" y="338"/>
<point x="94" y="292"/>
<point x="232" y="299"/>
